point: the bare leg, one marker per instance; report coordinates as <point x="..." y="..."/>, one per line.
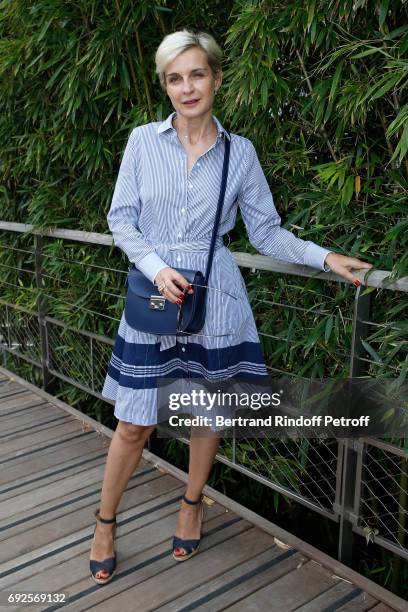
<point x="203" y="449"/>
<point x="123" y="457"/>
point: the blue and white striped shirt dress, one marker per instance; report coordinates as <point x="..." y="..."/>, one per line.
<point x="162" y="216"/>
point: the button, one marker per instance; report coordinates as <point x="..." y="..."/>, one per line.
<point x="190" y="185"/>
<point x="183" y="210"/>
<point x="183" y="348"/>
<point x="179" y="235"/>
<point x="178" y="258"/>
<point x="198" y="163"/>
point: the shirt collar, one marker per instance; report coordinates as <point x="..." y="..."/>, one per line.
<point x="167" y="125"/>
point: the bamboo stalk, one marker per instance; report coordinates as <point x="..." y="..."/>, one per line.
<point x="397" y="107"/>
<point x="389" y="147"/>
<point x="131" y="67"/>
<point x="145" y="83"/>
<point x="161" y="23"/>
<point x="321" y="128"/>
<point x="134" y="77"/>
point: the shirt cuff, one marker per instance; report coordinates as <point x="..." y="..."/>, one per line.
<point x="150" y="265"/>
<point x="315" y="256"/>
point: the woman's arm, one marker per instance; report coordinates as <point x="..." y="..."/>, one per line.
<point x="265" y="233"/>
<point x="124" y="214"/>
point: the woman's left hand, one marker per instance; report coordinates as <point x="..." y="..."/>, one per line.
<point x="342" y="265"/>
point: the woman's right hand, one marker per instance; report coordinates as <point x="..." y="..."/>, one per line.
<point x="172" y="292"/>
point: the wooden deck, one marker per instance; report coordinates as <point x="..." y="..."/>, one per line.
<point x="52" y="461"/>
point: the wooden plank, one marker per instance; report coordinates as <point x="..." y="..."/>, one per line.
<point x="363" y="601"/>
<point x="65" y="561"/>
<point x="162" y="587"/>
<point x="27" y="519"/>
<point x="11" y="390"/>
<point x="289" y="591"/>
<point x="25" y="443"/>
<point x="83" y="418"/>
<point x="9" y="410"/>
<point x="339" y="596"/>
<point x="28" y="414"/>
<point x="34" y="418"/>
<point x="11" y="386"/>
<point x="382" y="607"/>
<point x="29" y="500"/>
<point x="73" y="518"/>
<point x="35" y="426"/>
<point x="52" y="476"/>
<point x="9" y="407"/>
<point x="234" y="584"/>
<point x="49" y="449"/>
<point x="146" y="555"/>
<point x="38" y="465"/>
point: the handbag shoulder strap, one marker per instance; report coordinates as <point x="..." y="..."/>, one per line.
<point x="219" y="206"/>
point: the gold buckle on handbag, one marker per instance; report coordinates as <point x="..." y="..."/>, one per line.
<point x="157" y="302"/>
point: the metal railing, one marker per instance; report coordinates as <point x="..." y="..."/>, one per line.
<point x="338" y="478"/>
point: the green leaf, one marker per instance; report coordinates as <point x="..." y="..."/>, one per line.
<point x="369" y="51"/>
<point x="402" y="146"/>
<point x="403" y="45"/>
<point x="328" y="329"/>
<point x="310" y="13"/>
<point x="335" y="80"/>
<point x="383" y="12"/>
<point x="371" y="351"/>
<point x="264" y="93"/>
<point x="348" y="191"/>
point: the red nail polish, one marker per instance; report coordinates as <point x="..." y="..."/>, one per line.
<point x="357" y="283"/>
<point x="179" y="302"/>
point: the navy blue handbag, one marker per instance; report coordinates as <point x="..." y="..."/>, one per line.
<point x="148" y="311"/>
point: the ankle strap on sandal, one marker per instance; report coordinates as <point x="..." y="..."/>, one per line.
<point x="189" y="501"/>
<point x="102" y="520"/>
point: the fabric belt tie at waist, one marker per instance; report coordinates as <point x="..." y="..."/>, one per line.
<point x="194" y="245"/>
<point x="187" y="246"/>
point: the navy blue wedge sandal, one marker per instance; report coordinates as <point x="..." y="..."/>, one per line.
<point x="108" y="565"/>
<point x="190" y="546"/>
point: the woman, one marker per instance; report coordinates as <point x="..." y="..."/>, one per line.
<point x="162" y="216"/>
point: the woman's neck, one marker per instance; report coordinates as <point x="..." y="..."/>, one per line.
<point x="196" y="129"/>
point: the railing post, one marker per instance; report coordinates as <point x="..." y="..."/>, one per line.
<point x="352" y="466"/>
<point x="49" y="381"/>
<point x="92" y="363"/>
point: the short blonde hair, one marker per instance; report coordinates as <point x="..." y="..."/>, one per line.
<point x="180" y="41"/>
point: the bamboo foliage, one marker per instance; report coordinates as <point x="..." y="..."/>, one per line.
<point x="321" y="88"/>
